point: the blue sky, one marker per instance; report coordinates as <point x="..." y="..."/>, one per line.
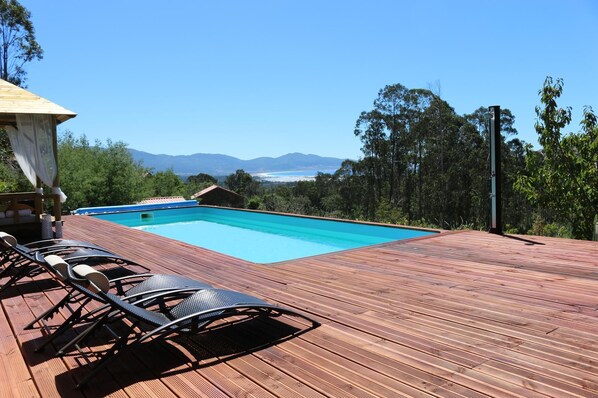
<point x="265" y="78"/>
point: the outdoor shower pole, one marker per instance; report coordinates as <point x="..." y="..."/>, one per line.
<point x="495" y="172"/>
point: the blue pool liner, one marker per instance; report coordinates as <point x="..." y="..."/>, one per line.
<point x="140" y="207"/>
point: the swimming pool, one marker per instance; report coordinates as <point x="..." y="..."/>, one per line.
<point x="259" y="237"/>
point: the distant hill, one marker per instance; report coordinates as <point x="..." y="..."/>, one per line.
<point x="219" y="165"/>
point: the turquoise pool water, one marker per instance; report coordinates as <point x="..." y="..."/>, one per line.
<point x="259" y="237"/>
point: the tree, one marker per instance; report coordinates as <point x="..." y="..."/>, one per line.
<point x="371" y="129"/>
<point x="6" y="154"/>
<point x="78" y="177"/>
<point x="123" y="178"/>
<point x="201" y="178"/>
<point x="99" y="175"/>
<point x="562" y="178"/>
<point x="426" y="164"/>
<point x="516" y="208"/>
<point x="166" y="183"/>
<point x="242" y="183"/>
<point x="18" y="45"/>
<point x="384" y="134"/>
<point x="12" y="178"/>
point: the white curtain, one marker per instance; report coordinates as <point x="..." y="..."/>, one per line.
<point x="32" y="144"/>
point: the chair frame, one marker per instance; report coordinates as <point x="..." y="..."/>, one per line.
<point x="21" y="261"/>
<point x="80" y="294"/>
<point x="138" y="314"/>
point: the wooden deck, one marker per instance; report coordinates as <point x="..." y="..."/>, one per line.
<point x="459" y="314"/>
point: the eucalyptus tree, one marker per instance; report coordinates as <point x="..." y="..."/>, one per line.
<point x="371" y="129"/>
<point x="390" y="106"/>
<point x="352" y="189"/>
<point x="18" y="45"/>
<point x="439" y="162"/>
<point x="391" y="143"/>
<point x="413" y="151"/>
<point x="417" y="101"/>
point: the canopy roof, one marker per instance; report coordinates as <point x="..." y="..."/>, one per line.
<point x="15" y="100"/>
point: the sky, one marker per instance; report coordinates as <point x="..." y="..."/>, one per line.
<point x="266" y="78"/>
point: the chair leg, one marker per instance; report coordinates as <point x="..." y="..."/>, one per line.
<point x="108" y="356"/>
<point x="49" y="313"/>
<point x="83" y="335"/>
<point x="66" y="325"/>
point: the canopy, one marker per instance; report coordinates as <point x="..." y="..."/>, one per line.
<point x="30" y="122"/>
<point x="15" y="100"/>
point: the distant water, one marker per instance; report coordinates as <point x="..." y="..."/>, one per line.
<point x="291" y="176"/>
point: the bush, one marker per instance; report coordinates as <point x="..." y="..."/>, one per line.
<point x="389" y="214"/>
<point x="254" y="203"/>
<point x="552" y="229"/>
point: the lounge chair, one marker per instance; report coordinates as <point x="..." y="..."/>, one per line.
<point x="20" y="261"/>
<point x="45" y="246"/>
<point x="198" y="309"/>
<point x="11" y="251"/>
<point x="82" y="290"/>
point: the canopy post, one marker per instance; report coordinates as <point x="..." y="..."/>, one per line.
<point x="39" y="197"/>
<point x="56" y="182"/>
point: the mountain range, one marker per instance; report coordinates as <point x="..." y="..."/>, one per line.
<point x="219" y="165"/>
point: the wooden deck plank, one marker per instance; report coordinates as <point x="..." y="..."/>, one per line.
<point x="459" y="314"/>
<point x="357" y="351"/>
<point x="12" y="365"/>
<point x="424" y="362"/>
<point x="56" y="373"/>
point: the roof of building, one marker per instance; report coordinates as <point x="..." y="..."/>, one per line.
<point x="211" y="189"/>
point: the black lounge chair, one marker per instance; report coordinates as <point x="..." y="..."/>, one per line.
<point x="59" y="242"/>
<point x="83" y="289"/>
<point x="13" y="252"/>
<point x="42" y="246"/>
<point x="20" y="261"/>
<point x="195" y="310"/>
